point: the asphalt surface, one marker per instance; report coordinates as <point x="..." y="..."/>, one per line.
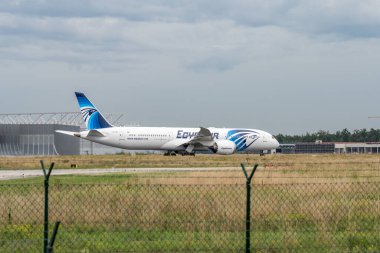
<point x="17" y="174"/>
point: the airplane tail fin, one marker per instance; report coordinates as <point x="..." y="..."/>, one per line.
<point x="93" y="118"/>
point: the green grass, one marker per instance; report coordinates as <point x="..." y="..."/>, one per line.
<point x="93" y="239"/>
<point x="98" y="239"/>
<point x="73" y="179"/>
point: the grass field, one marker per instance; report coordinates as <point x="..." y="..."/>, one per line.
<point x="154" y="161"/>
<point x="273" y="169"/>
<point x="300" y="203"/>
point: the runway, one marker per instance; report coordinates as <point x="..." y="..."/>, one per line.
<point x="18" y="174"/>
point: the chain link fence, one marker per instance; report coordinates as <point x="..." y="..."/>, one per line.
<point x="331" y="217"/>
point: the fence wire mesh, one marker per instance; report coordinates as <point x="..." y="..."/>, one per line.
<point x="331" y="217"/>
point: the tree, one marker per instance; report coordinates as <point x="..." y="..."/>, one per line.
<point x="358" y="135"/>
<point x="346" y="135"/>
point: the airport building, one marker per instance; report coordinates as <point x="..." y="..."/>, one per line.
<point x="33" y="134"/>
<point x="320" y="147"/>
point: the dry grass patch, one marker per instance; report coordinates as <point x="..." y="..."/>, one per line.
<point x="143" y="161"/>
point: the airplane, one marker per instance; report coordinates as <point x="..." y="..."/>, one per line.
<point x="171" y="140"/>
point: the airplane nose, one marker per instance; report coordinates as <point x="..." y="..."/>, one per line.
<point x="276" y="143"/>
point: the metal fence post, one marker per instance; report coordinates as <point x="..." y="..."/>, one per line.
<point x="46" y="208"/>
<point x="248" y="210"/>
<point x="52" y="240"/>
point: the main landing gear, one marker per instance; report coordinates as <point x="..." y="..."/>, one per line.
<point x="170" y="153"/>
<point x="188" y="153"/>
<point x="174" y="153"/>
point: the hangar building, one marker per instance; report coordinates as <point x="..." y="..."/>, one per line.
<point x="34" y="134"/>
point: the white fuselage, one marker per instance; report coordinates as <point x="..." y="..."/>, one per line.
<point x="171" y="139"/>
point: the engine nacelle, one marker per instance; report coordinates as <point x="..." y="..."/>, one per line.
<point x="224" y="147"/>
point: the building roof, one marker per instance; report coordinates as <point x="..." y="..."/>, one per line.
<point x="64" y="118"/>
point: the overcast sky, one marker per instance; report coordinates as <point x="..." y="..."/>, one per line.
<point x="290" y="66"/>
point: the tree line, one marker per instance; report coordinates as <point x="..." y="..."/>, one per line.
<point x="358" y="135"/>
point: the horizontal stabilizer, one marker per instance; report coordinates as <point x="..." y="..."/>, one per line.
<point x="91" y="133"/>
<point x="68" y="133"/>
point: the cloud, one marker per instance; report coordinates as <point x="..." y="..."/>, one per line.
<point x="198" y="35"/>
<point x="351" y="18"/>
<point x="296" y="59"/>
<point x="204" y="45"/>
<point x="323" y="16"/>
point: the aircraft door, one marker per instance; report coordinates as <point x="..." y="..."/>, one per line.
<point x="122" y="137"/>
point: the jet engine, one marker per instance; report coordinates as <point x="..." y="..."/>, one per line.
<point x="224" y="147"/>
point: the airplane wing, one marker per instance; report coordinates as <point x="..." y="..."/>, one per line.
<point x="203" y="138"/>
<point x="203" y="135"/>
